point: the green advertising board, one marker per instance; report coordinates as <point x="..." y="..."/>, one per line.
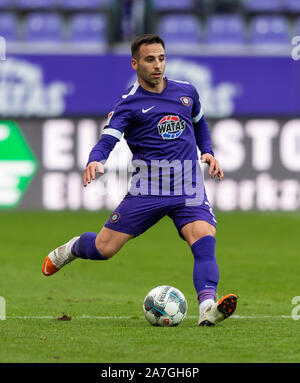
<point x="17" y="164"/>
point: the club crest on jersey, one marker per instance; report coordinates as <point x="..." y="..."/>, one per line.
<point x="114" y="218"/>
<point x="170" y="127"/>
<point x="186" y="101"/>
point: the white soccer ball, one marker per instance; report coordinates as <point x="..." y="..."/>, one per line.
<point x="165" y="306"/>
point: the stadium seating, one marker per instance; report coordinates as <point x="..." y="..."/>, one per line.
<point x="292" y="5"/>
<point x="5" y="3"/>
<point x="43" y="27"/>
<point x="176" y="21"/>
<point x="226" y="6"/>
<point x="88" y="28"/>
<point x="263" y="5"/>
<point x="173" y="5"/>
<point x="180" y="29"/>
<point x="32" y="4"/>
<point x="225" y="29"/>
<point x="8" y="26"/>
<point x="85" y="4"/>
<point x="269" y="30"/>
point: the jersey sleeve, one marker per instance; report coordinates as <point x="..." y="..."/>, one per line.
<point x="197" y="111"/>
<point x="201" y="128"/>
<point x="117" y="120"/>
<point x="102" y="149"/>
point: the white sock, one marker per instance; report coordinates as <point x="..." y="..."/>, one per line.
<point x="203" y="305"/>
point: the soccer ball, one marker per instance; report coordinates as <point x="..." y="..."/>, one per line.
<point x="165" y="306"/>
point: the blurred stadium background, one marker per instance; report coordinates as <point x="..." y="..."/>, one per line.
<point x="67" y="61"/>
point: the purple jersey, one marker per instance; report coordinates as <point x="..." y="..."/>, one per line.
<point x="162" y="131"/>
<point x="158" y="126"/>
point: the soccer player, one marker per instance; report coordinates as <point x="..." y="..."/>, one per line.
<point x="163" y="123"/>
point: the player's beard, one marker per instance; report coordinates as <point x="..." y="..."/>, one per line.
<point x="152" y="81"/>
<point x="148" y="78"/>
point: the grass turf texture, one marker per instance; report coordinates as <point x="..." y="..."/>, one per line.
<point x="258" y="256"/>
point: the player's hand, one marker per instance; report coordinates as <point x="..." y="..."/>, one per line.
<point x="89" y="173"/>
<point x="214" y="167"/>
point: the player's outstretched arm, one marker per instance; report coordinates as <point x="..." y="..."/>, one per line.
<point x="97" y="157"/>
<point x="89" y="173"/>
<point x="214" y="167"/>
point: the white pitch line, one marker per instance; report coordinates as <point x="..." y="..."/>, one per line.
<point x="141" y="317"/>
<point x="261" y="317"/>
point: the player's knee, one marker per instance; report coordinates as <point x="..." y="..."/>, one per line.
<point x="201" y="234"/>
<point x="108" y="253"/>
<point x="209" y="230"/>
<point x="109" y="242"/>
<point x="106" y="249"/>
<point x="194" y="231"/>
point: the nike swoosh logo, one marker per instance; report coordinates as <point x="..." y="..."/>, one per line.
<point x="147" y="110"/>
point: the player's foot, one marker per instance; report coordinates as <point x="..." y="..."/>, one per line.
<point x="59" y="258"/>
<point x="218" y="311"/>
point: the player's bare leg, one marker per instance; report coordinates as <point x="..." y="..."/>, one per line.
<point x="200" y="235"/>
<point x="88" y="246"/>
<point x="196" y="230"/>
<point x="109" y="242"/>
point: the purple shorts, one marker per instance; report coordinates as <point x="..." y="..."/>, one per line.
<point x="136" y="214"/>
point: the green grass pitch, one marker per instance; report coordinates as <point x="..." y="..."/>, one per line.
<point x="258" y="256"/>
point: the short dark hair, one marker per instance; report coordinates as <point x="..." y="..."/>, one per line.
<point x="145" y="39"/>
